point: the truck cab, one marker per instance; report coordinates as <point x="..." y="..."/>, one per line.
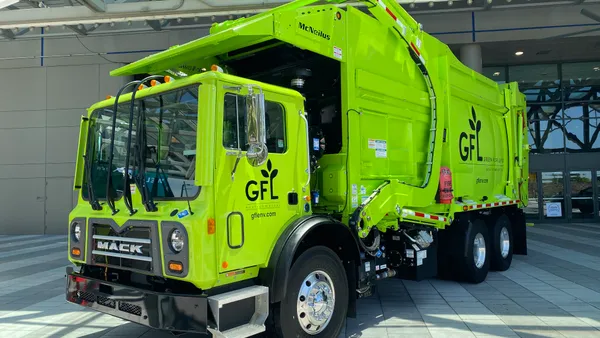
<point x="215" y="174"/>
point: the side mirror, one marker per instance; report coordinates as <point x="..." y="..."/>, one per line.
<point x="256" y="134"/>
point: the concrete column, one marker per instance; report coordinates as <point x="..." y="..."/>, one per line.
<point x="470" y="55"/>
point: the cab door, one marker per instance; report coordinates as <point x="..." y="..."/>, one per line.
<point x="254" y="203"/>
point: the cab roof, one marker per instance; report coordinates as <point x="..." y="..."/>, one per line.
<point x="190" y="80"/>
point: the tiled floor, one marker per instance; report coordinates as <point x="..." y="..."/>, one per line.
<point x="553" y="292"/>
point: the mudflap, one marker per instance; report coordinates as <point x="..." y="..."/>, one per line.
<point x="519" y="226"/>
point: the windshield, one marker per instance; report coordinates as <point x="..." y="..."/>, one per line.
<point x="170" y="121"/>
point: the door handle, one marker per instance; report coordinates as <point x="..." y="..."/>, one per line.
<point x="235" y="213"/>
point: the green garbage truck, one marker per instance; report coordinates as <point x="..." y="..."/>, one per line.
<point x="268" y="175"/>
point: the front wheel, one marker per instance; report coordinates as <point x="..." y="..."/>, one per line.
<point x="316" y="301"/>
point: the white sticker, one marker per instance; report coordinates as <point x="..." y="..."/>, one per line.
<point x="376" y="267"/>
<point x="422" y="254"/>
<point x="363" y="190"/>
<point x="410" y="253"/>
<point x="380" y="144"/>
<point x="367" y="266"/>
<point x="354" y="201"/>
<point x="354" y="189"/>
<point x="280" y="143"/>
<point x="132" y="188"/>
<point x="380" y="147"/>
<point x="363" y="199"/>
<point x="383" y="266"/>
<point x="419" y="261"/>
<point x="337" y="52"/>
<point x="396" y="238"/>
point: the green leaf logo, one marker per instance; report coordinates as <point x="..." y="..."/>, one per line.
<point x="475" y="125"/>
<point x="268" y="173"/>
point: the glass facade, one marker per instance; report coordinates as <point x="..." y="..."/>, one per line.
<point x="563" y="106"/>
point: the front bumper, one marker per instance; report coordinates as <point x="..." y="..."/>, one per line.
<point x="184" y="313"/>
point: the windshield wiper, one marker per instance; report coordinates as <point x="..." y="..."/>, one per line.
<point x="109" y="184"/>
<point x="141" y="148"/>
<point x="126" y="189"/>
<point x="89" y="167"/>
<point x="165" y="180"/>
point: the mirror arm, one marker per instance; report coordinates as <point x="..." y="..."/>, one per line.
<point x="237" y="161"/>
<point x="302" y="115"/>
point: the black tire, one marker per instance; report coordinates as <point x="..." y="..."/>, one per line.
<point x="469" y="271"/>
<point x="498" y="262"/>
<point x="286" y="322"/>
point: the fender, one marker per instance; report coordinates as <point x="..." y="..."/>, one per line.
<point x="283" y="254"/>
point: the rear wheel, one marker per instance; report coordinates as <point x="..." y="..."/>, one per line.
<point x="316" y="301"/>
<point x="502" y="244"/>
<point x="475" y="264"/>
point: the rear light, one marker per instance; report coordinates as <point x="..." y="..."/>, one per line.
<point x="76" y="252"/>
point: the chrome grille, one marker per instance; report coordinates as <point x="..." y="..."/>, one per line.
<point x="130" y="249"/>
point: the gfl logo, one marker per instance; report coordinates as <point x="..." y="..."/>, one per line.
<point x="256" y="190"/>
<point x="469" y="143"/>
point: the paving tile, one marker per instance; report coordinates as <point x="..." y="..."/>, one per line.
<point x="552" y="292"/>
<point x="493" y="327"/>
<point x="408" y="332"/>
<point x="450" y="333"/>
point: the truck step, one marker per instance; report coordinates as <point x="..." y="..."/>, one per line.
<point x="240" y="313"/>
<point x="240" y="331"/>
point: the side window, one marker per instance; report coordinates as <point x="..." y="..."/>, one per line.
<point x="275" y="121"/>
<point x="234" y="124"/>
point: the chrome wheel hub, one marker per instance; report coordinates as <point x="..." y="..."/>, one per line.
<point x="316" y="301"/>
<point x="479" y="250"/>
<point x="504" y="242"/>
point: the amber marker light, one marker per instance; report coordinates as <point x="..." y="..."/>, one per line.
<point x="175" y="267"/>
<point x="211" y="228"/>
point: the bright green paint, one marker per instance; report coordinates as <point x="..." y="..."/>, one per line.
<point x="386" y="99"/>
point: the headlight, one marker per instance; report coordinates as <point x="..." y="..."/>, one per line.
<point x="77" y="232"/>
<point x="177" y="241"/>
